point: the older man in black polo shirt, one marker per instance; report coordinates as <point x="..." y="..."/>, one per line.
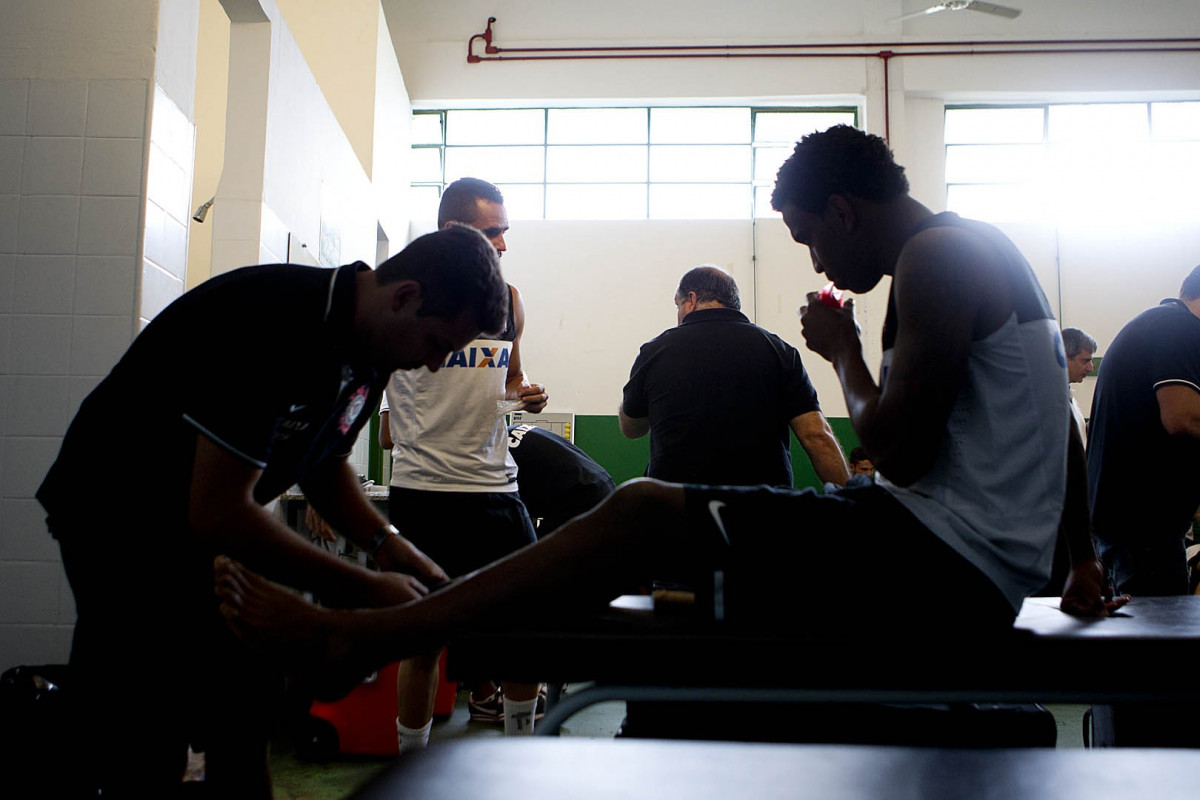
<point x="718" y="395"/>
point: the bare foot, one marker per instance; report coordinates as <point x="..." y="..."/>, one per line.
<point x="277" y="622"/>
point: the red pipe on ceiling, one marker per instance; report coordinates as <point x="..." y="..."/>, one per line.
<point x="886" y="51"/>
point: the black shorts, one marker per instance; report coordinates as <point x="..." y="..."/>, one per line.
<point x="851" y="557"/>
<point x="461" y="531"/>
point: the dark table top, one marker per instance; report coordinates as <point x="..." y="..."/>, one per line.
<point x="590" y="769"/>
<point x="1048" y="656"/>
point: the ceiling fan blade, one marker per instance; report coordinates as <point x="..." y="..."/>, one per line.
<point x="1007" y="12"/>
<point x="923" y="12"/>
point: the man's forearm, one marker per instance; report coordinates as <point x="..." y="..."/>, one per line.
<point x="816" y="437"/>
<point x="862" y="399"/>
<point x="335" y="492"/>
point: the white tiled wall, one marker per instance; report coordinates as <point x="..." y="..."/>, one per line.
<point x="71" y="177"/>
<point x="168" y="194"/>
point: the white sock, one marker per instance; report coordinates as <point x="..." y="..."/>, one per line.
<point x="413" y="738"/>
<point x="518" y="717"/>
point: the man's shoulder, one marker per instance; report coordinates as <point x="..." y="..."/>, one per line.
<point x="1163" y="326"/>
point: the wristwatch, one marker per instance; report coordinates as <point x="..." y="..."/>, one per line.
<point x="380" y="536"/>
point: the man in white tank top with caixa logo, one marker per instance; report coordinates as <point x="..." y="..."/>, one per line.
<point x="454" y="484"/>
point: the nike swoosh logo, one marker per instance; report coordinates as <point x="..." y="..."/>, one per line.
<point x="714" y="508"/>
<point x="294" y="409"/>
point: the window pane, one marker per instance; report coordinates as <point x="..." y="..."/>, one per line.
<point x="792" y="126"/>
<point x="699" y="125"/>
<point x="509" y="126"/>
<point x="423" y="200"/>
<point x="997" y="203"/>
<point x="996" y="163"/>
<point x="699" y="201"/>
<point x="1083" y="193"/>
<point x="1176" y="174"/>
<point x="427" y="164"/>
<point x="700" y="163"/>
<point x="1100" y="122"/>
<point x="427" y="129"/>
<point x="596" y="164"/>
<point x="994" y="125"/>
<point x="596" y="201"/>
<point x="768" y="160"/>
<point x="1175" y="120"/>
<point x="495" y="164"/>
<point x="762" y="202"/>
<point x="522" y="200"/>
<point x="597" y="126"/>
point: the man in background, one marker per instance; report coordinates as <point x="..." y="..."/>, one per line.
<point x="454" y="483"/>
<point x="1146" y="411"/>
<point x="718" y="396"/>
<point x="1080" y="348"/>
<point x="861" y="465"/>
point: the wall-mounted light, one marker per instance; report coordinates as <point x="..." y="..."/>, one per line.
<point x="202" y="211"/>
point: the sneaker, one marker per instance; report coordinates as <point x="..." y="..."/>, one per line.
<point x="489" y="709"/>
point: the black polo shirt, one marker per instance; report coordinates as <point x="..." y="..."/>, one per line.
<point x="260" y="360"/>
<point x="1144" y="482"/>
<point x="719" y="392"/>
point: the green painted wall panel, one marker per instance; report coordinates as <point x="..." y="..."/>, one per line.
<point x="600" y="436"/>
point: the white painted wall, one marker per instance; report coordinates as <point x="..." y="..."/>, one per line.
<point x="390" y="170"/>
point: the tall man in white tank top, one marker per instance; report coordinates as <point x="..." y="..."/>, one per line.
<point x="454" y="483"/>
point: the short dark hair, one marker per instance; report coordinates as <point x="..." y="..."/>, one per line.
<point x="710" y="283"/>
<point x="1190" y="289"/>
<point x="458" y="199"/>
<point x="840" y="160"/>
<point x="1075" y="340"/>
<point x="859" y="454"/>
<point x="459" y="272"/>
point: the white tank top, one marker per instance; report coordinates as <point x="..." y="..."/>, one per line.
<point x="995" y="492"/>
<point x="448" y="434"/>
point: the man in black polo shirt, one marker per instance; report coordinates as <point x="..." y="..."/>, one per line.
<point x="718" y="395"/>
<point x="1146" y="420"/>
<point x="256" y="380"/>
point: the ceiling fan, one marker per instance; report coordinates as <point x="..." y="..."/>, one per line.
<point x="964" y="5"/>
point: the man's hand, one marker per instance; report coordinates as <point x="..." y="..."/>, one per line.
<point x="534" y="396"/>
<point x="829" y="331"/>
<point x="393" y="589"/>
<point x="1087" y="594"/>
<point x="398" y="554"/>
